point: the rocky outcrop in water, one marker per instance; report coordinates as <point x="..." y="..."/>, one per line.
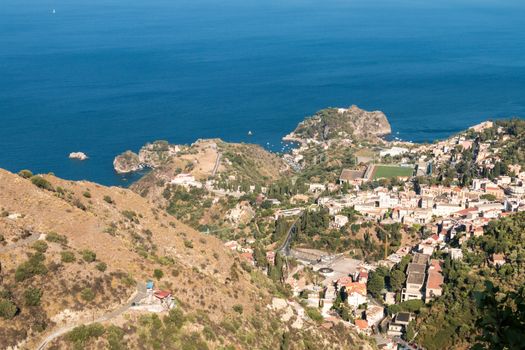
<point x="335" y="123"/>
<point x="78" y="155"/>
<point x="127" y="162"/>
<point x="151" y="155"/>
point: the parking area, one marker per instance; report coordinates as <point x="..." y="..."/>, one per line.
<point x="341" y="267"/>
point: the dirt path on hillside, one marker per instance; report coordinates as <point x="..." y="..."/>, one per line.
<point x="139" y="294"/>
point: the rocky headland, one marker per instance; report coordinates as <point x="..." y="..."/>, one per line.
<point x="332" y="123"/>
<point x="151" y="155"/>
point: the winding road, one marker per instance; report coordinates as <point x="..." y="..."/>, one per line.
<point x="139" y="294"/>
<point x="285" y="247"/>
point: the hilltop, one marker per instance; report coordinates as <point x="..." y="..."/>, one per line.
<point x="74" y="251"/>
<point x="333" y="123"/>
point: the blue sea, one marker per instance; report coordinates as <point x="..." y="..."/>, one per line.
<point x="104" y="76"/>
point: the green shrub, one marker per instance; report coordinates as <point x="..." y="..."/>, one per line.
<point x="246" y="267"/>
<point x="56" y="238"/>
<point x="111" y="229"/>
<point x="26" y="174"/>
<point x="115" y="338"/>
<point x="158" y="274"/>
<point x="193" y="341"/>
<point x="129" y="214"/>
<point x="108" y="199"/>
<point x="40" y="246"/>
<point x="32" y="296"/>
<point x="314" y="314"/>
<point x="81" y="334"/>
<point x="101" y="266"/>
<point x="8" y="309"/>
<point x="89" y="255"/>
<point x="39" y="181"/>
<point x="175" y="317"/>
<point x="78" y="203"/>
<point x="188" y="243"/>
<point x="208" y="333"/>
<point x="128" y="280"/>
<point x="87" y="194"/>
<point x="33" y="266"/>
<point x="488" y="196"/>
<point x="67" y="257"/>
<point x="238" y="308"/>
<point x="87" y="294"/>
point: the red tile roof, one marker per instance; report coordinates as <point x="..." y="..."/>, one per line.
<point x="361" y="324"/>
<point x="467" y="211"/>
<point x="435" y="280"/>
<point x="498" y="257"/>
<point x="435" y="265"/>
<point x="162" y="294"/>
<point x="356" y="287"/>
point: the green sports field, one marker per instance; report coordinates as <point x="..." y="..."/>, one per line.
<point x="390" y="171"/>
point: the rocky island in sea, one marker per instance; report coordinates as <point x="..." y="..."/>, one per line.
<point x="150" y="155"/>
<point x="78" y="156"/>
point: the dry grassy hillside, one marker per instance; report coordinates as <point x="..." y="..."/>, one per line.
<point x="100" y="242"/>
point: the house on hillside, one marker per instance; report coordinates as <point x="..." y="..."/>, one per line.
<point x="435" y="280"/>
<point x="498" y="260"/>
<point x="165" y="298"/>
<point x="186" y="180"/>
<point x="397" y="327"/>
<point x="362" y="326"/>
<point x="414" y="283"/>
<point x="374" y="314"/>
<point x="351" y="177"/>
<point x="356" y="294"/>
<point x="456" y="253"/>
<point x="339" y="221"/>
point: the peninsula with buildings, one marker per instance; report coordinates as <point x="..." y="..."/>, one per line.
<point x="349" y="241"/>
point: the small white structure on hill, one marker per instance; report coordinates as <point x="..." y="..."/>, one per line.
<point x="394" y="151"/>
<point x="186" y="180"/>
<point x="339" y="221"/>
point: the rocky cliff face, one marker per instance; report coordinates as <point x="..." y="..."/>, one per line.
<point x="127" y="162"/>
<point x="350" y="122"/>
<point x="366" y="123"/>
<point x="151" y="155"/>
